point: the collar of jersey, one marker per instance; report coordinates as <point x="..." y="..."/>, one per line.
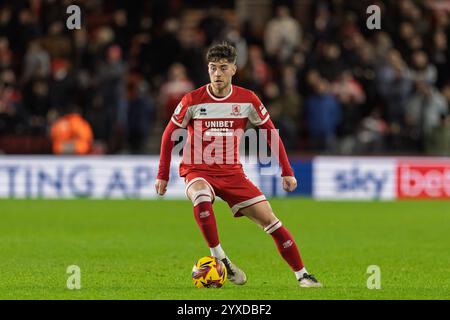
<point x="219" y="99"/>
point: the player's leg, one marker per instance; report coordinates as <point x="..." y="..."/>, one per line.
<point x="261" y="213"/>
<point x="201" y="194"/>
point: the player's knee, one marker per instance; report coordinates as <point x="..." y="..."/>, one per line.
<point x="266" y="219"/>
<point x="201" y="195"/>
<point x="272" y="226"/>
<point x="197" y="185"/>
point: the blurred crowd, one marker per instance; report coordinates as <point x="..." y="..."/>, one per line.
<point x="331" y="84"/>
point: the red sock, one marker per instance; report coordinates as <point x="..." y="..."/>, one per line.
<point x="286" y="245"/>
<point x="204" y="215"/>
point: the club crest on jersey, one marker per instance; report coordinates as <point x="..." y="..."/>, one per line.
<point x="235" y="110"/>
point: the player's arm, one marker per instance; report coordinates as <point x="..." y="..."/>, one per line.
<point x="180" y="118"/>
<point x="287" y="174"/>
<point x="260" y="117"/>
<point x="165" y="158"/>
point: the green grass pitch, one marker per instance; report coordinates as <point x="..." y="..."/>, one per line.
<point x="145" y="249"/>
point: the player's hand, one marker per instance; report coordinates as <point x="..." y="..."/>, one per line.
<point x="161" y="186"/>
<point x="289" y="183"/>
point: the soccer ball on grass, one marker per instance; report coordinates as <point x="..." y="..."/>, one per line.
<point x="209" y="272"/>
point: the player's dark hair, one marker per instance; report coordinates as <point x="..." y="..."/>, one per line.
<point x="220" y="51"/>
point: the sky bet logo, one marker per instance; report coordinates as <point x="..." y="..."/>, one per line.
<point x="357" y="180"/>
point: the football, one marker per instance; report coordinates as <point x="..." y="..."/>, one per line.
<point x="209" y="272"/>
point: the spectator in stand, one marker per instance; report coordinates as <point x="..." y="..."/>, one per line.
<point x="6" y="54"/>
<point x="364" y="72"/>
<point x="446" y="92"/>
<point x="13" y="118"/>
<point x="405" y="37"/>
<point x="409" y="34"/>
<point x="421" y="69"/>
<point x="329" y="63"/>
<point x="36" y="86"/>
<point x="112" y="94"/>
<point x="354" y="43"/>
<point x="63" y="86"/>
<point x="71" y="134"/>
<point x="141" y="112"/>
<point x="213" y="25"/>
<point x="282" y="36"/>
<point x="36" y="97"/>
<point x="383" y="44"/>
<point x="121" y="29"/>
<point x="412" y="11"/>
<point x="163" y="49"/>
<point x="6" y="25"/>
<point x="37" y="62"/>
<point x="28" y="30"/>
<point x="284" y="106"/>
<point x="322" y="23"/>
<point x="176" y="86"/>
<point x="56" y="42"/>
<point x="438" y="141"/>
<point x="323" y="115"/>
<point x="292" y="108"/>
<point x="257" y="72"/>
<point x="440" y="57"/>
<point x="81" y="49"/>
<point x="371" y="134"/>
<point x="192" y="56"/>
<point x="351" y="96"/>
<point x="423" y="113"/>
<point x="234" y="36"/>
<point x="394" y="86"/>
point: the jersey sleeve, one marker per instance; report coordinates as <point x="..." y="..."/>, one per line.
<point x="166" y="152"/>
<point x="258" y="113"/>
<point x="283" y="160"/>
<point x="182" y="114"/>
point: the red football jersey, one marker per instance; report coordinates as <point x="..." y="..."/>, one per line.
<point x="215" y="126"/>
